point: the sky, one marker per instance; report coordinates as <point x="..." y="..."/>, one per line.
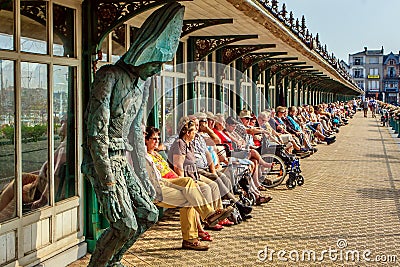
<point x="347" y="26"/>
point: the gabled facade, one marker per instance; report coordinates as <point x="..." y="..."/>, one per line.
<point x="391" y="74"/>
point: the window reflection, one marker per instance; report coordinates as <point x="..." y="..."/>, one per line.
<point x="7" y="146"/>
<point x="104" y="50"/>
<point x="34" y="123"/>
<point x="64" y="32"/>
<point x="33" y="26"/>
<point x="118" y="43"/>
<point x="169" y="105"/>
<point x="64" y="160"/>
<point x="202" y="96"/>
<point x="7" y="25"/>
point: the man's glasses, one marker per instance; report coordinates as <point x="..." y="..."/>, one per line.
<point x="247" y="119"/>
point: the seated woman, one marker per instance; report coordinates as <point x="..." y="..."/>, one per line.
<point x="235" y="141"/>
<point x="176" y="191"/>
<point x="183" y="159"/>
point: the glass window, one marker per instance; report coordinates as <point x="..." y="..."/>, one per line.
<point x="34" y="124"/>
<point x="169" y="105"/>
<point x="360" y="84"/>
<point x="7" y="25"/>
<point x="7" y="146"/>
<point x="202" y="68"/>
<point x="118" y="43"/>
<point x="179" y="109"/>
<point x="373" y="71"/>
<point x="358" y="61"/>
<point x="64" y="134"/>
<point x="391" y="72"/>
<point x="373" y="60"/>
<point x="63" y="31"/>
<point x="104" y="50"/>
<point x="33" y="27"/>
<point x="210" y="66"/>
<point x="358" y="73"/>
<point x="201" y="96"/>
<point x="179" y="57"/>
<point x="373" y="85"/>
<point x="210" y="97"/>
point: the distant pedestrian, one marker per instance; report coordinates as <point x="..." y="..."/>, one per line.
<point x="372" y="106"/>
<point x="365" y="107"/>
<point x="354" y="105"/>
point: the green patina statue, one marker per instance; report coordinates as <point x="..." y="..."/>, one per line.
<point x="115" y="107"/>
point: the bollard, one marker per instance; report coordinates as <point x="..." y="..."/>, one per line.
<point x="391" y="122"/>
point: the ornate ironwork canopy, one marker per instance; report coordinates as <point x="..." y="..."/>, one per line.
<point x="205" y="45"/>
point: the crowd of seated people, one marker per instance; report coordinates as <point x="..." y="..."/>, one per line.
<point x="190" y="169"/>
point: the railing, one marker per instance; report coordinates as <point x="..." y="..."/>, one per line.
<point x="301" y="31"/>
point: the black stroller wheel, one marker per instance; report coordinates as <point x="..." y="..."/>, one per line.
<point x="290" y="183"/>
<point x="300" y="180"/>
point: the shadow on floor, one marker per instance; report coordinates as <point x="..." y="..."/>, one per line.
<point x="382" y="156"/>
<point x="375" y="193"/>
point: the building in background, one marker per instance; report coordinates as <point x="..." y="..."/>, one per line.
<point x="366" y="68"/>
<point x="391" y="72"/>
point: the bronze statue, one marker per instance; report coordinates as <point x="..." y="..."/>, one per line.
<point x="116" y="105"/>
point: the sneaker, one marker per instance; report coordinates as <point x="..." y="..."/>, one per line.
<point x="218" y="215"/>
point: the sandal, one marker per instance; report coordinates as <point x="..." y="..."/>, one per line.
<point x="226" y="222"/>
<point x="262" y="188"/>
<point x="218" y="215"/>
<point x="205" y="236"/>
<point x="261" y="200"/>
<point x="196" y="245"/>
<point x="216" y="227"/>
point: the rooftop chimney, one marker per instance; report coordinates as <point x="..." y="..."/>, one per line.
<point x="365" y="48"/>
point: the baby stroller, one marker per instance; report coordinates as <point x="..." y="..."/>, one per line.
<point x="284" y="163"/>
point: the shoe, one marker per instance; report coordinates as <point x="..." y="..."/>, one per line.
<point x="243" y="209"/>
<point x="205" y="236"/>
<point x="261" y="200"/>
<point x="330" y="140"/>
<point x="246" y="217"/>
<point x="196" y="245"/>
<point x="262" y="188"/>
<point x="218" y="215"/>
<point x="226" y="222"/>
<point x="216" y="227"/>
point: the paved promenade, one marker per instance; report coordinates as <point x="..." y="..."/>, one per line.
<point x="349" y="204"/>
